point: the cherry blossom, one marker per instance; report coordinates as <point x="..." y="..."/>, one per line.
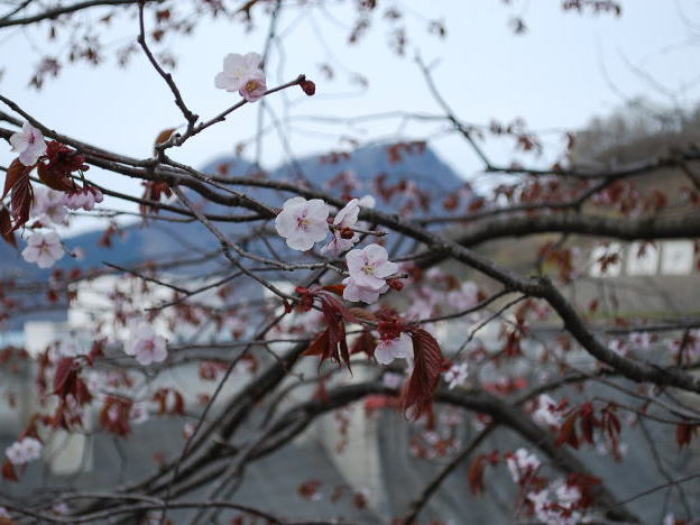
<point x="344" y="237"/>
<point x="29" y="143"/>
<point x="44" y="249"/>
<point x="303" y="223"/>
<point x="254" y="88"/>
<point x="370" y="266"/>
<point x="547" y="412"/>
<point x="456" y="375"/>
<point x="243" y="73"/>
<point x="522" y="464"/>
<point x="355" y="293"/>
<point x="145" y="345"/>
<point x="24" y="451"/>
<point x="48" y="206"/>
<point x="400" y="347"/>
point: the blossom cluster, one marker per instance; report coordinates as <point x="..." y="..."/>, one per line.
<point x="23" y="451"/>
<point x="556" y="504"/>
<point x="49" y="207"/>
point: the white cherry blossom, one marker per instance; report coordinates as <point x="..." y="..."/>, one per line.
<point x="389" y="349"/>
<point x="343" y="236"/>
<point x="24" y="451"/>
<point x="144" y="344"/>
<point x="48" y="206"/>
<point x="370" y="266"/>
<point x="547" y="413"/>
<point x="44" y="249"/>
<point x="522" y="464"/>
<point x="29" y="143"/>
<point x="456" y="375"/>
<point x="303" y="223"/>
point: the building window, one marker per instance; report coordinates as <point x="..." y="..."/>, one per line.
<point x="677" y="257"/>
<point x="642" y="259"/>
<point x="606" y="261"/>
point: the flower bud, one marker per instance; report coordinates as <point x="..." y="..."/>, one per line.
<point x="308" y="87"/>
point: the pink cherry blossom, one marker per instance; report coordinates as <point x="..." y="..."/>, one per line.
<point x="243" y="73"/>
<point x="254" y="88"/>
<point x="84" y="198"/>
<point x="303" y="223"/>
<point x="355" y="293"/>
<point x="343" y="236"/>
<point x="29" y="143"/>
<point x="370" y="266"/>
<point x="389" y="349"/>
<point x="145" y="345"/>
<point x="24" y="451"/>
<point x="456" y="375"/>
<point x="48" y="206"/>
<point x="44" y="249"/>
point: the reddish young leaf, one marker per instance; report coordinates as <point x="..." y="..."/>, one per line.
<point x="54" y="179"/>
<point x="365" y="343"/>
<point x="17" y="181"/>
<point x="64" y="377"/>
<point x="15" y="172"/>
<point x="684" y="434"/>
<point x="319" y="345"/>
<point x="587" y="421"/>
<point x="567" y="432"/>
<point x="426" y="372"/>
<point x="169" y="401"/>
<point x="114" y="416"/>
<point x="6" y="228"/>
<point x="475" y="474"/>
<point x="8" y="471"/>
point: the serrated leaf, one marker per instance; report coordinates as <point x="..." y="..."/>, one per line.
<point x="15" y="172"/>
<point x="428" y="361"/>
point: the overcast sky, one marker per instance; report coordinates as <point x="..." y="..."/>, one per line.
<point x="562" y="71"/>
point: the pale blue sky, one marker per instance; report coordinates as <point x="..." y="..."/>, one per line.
<point x="556" y="76"/>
